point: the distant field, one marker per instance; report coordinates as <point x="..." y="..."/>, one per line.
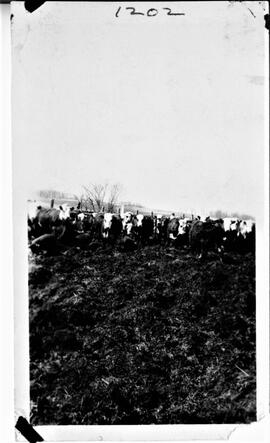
<point x="127" y="207"/>
<point x="46" y="202"/>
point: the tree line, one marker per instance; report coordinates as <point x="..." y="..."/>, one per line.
<point x="98" y="197"/>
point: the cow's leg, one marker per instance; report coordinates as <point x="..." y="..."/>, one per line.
<point x="62" y="232"/>
<point x="203" y="250"/>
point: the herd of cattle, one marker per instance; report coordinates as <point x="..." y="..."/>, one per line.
<point x="48" y="227"/>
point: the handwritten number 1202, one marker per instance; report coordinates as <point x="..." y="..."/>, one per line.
<point x="152" y="12"/>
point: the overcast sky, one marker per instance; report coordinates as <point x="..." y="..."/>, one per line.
<point x="170" y="107"/>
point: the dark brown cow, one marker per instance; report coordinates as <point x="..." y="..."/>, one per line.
<point x="161" y="225"/>
<point x="205" y="236"/>
<point x="48" y="219"/>
<point x="47" y="243"/>
<point x="144" y="228"/>
<point x="95" y="226"/>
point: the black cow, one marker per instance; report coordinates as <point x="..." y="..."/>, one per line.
<point x="161" y="228"/>
<point x="145" y="228"/>
<point x="205" y="236"/>
<point x="183" y="232"/>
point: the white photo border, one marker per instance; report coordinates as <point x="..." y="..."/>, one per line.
<point x="256" y="431"/>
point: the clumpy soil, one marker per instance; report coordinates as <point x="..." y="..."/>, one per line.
<point x="153" y="336"/>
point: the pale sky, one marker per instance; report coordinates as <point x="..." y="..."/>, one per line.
<point x="170" y="107"/>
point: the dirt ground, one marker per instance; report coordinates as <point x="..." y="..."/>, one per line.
<point x="143" y="337"/>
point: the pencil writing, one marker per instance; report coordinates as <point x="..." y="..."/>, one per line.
<point x="152" y="12"/>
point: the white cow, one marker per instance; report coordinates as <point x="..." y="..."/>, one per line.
<point x="139" y="218"/>
<point x="245" y="227"/>
<point x="64" y="211"/>
<point x="81" y="216"/>
<point x="230" y="224"/>
<point x="182" y="226"/>
<point x="128" y="222"/>
<point x="107" y="224"/>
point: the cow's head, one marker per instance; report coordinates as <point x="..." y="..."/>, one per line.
<point x="245" y="227"/>
<point x="127" y="217"/>
<point x="107" y="223"/>
<point x="182" y="227"/>
<point x="234" y="226"/>
<point x="64" y="212"/>
<point x="139" y="219"/>
<point x="129" y="227"/>
<point x="81" y="216"/>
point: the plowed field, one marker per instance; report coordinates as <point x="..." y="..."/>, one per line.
<point x="150" y="336"/>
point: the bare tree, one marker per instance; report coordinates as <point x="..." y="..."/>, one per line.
<point x="82" y="203"/>
<point x="97" y="197"/>
<point x="113" y="198"/>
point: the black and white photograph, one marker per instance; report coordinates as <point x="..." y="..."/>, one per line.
<point x="139" y="139"/>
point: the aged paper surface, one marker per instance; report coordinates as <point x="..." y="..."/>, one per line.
<point x="166" y="102"/>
